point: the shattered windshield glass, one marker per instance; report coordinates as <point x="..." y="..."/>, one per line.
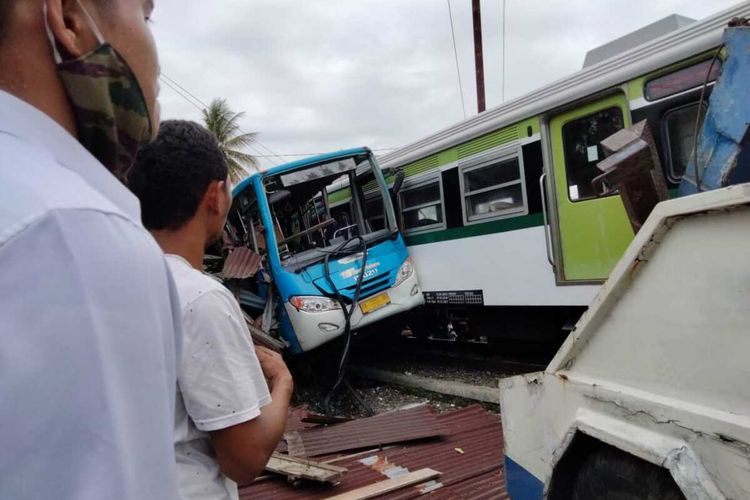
<point x="318" y="209"/>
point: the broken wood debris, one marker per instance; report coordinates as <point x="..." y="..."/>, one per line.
<point x="476" y="473"/>
<point x="387" y="486"/>
<point x="262" y="338"/>
<point x="299" y="468"/>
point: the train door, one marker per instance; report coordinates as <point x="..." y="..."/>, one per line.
<point x="593" y="230"/>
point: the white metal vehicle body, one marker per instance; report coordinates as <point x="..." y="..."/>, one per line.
<point x="659" y="366"/>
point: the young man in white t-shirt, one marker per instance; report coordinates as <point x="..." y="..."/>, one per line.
<point x="227" y="423"/>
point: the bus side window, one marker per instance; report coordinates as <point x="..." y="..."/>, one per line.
<point x="678" y="130"/>
<point x="581" y="144"/>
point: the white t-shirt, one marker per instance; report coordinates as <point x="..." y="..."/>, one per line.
<point x="89" y="326"/>
<point x="220" y="380"/>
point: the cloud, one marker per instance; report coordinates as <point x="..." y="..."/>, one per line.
<point x="318" y="76"/>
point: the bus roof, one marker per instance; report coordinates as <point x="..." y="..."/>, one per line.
<point x="294" y="165"/>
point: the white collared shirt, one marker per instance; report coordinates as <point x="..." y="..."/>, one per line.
<point x="220" y="380"/>
<point x="89" y="325"/>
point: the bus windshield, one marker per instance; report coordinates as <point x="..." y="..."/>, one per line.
<point x="320" y="208"/>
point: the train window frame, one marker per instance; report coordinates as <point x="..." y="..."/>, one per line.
<point x="717" y="67"/>
<point x="411" y="185"/>
<point x="667" y="145"/>
<point x="370" y="196"/>
<point x="599" y="152"/>
<point x="486" y="160"/>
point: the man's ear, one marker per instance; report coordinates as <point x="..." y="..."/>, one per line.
<point x="212" y="198"/>
<point x="70" y="29"/>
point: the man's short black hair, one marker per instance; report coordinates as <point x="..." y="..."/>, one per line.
<point x="171" y="174"/>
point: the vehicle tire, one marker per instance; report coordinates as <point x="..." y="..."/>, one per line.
<point x="610" y="474"/>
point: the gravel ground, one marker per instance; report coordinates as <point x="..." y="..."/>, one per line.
<point x="453" y="373"/>
<point x="468" y="368"/>
<point x="409" y="359"/>
<point x="381" y="398"/>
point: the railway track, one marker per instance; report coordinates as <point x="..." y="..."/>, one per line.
<point x="453" y="369"/>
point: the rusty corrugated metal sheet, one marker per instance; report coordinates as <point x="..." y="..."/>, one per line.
<point x="294" y="421"/>
<point x="489" y="486"/>
<point x="241" y="263"/>
<point x="393" y="427"/>
<point x="477" y="473"/>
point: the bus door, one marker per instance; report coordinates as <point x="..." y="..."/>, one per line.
<point x="593" y="231"/>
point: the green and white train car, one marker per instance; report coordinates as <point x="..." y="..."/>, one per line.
<point x="498" y="210"/>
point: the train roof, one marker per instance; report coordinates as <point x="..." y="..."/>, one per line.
<point x="635" y="38"/>
<point x="674" y="46"/>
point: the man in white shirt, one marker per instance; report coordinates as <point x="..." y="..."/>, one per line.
<point x="227" y="422"/>
<point x="89" y="320"/>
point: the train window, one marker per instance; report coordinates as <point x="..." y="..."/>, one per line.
<point x="681" y="80"/>
<point x="492" y="190"/>
<point x="422" y="206"/>
<point x="581" y="144"/>
<point x="679" y="129"/>
<point x="374" y="212"/>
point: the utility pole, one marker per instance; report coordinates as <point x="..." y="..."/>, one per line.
<point x="478" y="56"/>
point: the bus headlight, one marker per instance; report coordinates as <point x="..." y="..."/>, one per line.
<point x="404" y="272"/>
<point x="314" y="304"/>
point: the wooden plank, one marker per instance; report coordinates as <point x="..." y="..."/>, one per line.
<point x="359" y="454"/>
<point x="296" y="468"/>
<point x="383" y="487"/>
<point x="262" y="338"/>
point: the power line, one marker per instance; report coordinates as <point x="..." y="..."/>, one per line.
<point x="455" y="54"/>
<point x="197" y="103"/>
<point x="178" y="92"/>
<point x="271" y="153"/>
<point x="206" y="106"/>
<point x="193" y="100"/>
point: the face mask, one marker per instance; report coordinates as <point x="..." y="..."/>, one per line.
<point x="110" y="110"/>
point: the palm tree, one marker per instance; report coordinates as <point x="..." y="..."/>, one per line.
<point x="224" y="123"/>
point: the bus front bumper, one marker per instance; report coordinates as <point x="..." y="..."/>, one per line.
<point x="315" y="329"/>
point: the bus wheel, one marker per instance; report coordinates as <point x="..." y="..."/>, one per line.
<point x="610" y="474"/>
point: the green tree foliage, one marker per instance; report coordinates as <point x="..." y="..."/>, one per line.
<point x="224" y="123"/>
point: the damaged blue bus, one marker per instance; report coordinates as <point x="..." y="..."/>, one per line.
<point x="330" y="255"/>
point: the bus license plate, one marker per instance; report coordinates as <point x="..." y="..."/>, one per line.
<point x="374" y="303"/>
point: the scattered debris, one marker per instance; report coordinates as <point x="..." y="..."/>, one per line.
<point x="476" y="473"/>
<point x="241" y="263"/>
<point x="262" y="338"/>
<point x="298" y="468"/>
<point x="393" y="427"/>
<point x="387" y="486"/>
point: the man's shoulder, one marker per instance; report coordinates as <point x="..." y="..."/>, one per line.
<point x="193" y="285"/>
<point x="33" y="185"/>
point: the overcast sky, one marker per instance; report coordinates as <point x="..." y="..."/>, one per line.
<point x="316" y="76"/>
